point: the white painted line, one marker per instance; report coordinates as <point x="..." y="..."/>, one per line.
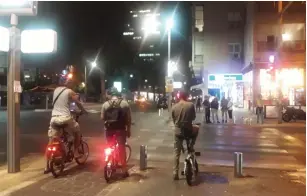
<point x="145" y="130"/>
<point x="42" y="110"/>
<point x="155" y="141"/>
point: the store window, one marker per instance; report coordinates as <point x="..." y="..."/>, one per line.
<point x="290" y="80"/>
<point x="234" y="50"/>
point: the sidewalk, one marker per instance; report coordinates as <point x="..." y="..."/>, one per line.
<point x="156" y="180"/>
<point x="217" y="181"/>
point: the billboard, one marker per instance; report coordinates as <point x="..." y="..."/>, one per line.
<point x="38" y="41"/>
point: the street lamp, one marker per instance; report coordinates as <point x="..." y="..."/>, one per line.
<point x="169" y="26"/>
<point x="13" y="79"/>
<point x="146" y="81"/>
<point x="131" y="75"/>
<point x="93" y="64"/>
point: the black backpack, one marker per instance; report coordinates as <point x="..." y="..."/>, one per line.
<point x="114" y="116"/>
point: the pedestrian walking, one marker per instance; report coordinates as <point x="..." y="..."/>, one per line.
<point x="230" y="108"/>
<point x="206" y="105"/>
<point x="198" y="104"/>
<point x="224" y="109"/>
<point x="259" y="109"/>
<point x="214" y="109"/>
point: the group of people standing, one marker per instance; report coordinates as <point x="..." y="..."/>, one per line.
<point x="212" y="108"/>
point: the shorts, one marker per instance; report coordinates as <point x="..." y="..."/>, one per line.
<point x="72" y="127"/>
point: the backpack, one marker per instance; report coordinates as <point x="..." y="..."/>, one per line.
<point x="114" y="116"/>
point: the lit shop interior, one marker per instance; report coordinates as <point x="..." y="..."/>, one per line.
<point x="228" y="85"/>
<point x="291" y="81"/>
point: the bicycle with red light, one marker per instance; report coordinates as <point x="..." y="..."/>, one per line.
<point x="61" y="151"/>
<point x="112" y="157"/>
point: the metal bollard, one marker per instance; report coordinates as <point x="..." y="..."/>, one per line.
<point x="238" y="164"/>
<point x="47" y="100"/>
<point x="143" y="157"/>
<point x="234" y="120"/>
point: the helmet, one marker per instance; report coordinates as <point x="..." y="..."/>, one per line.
<point x="113" y="92"/>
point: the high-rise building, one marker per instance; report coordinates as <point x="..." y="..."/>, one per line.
<point x="143" y="33"/>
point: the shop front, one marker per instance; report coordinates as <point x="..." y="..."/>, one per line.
<point x="227" y="85"/>
<point x="289" y="80"/>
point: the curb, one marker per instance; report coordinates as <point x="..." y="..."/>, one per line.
<point x="42" y="110"/>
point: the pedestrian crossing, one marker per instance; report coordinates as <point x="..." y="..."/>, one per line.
<point x="260" y="146"/>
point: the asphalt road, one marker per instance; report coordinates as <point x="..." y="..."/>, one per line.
<point x="269" y="148"/>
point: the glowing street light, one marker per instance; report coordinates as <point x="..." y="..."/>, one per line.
<point x="94" y="64"/>
<point x="169" y="23"/>
<point x="146" y="81"/>
<point x="131" y="75"/>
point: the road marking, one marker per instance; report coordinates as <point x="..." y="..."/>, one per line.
<point x="145" y="130"/>
<point x="42" y="110"/>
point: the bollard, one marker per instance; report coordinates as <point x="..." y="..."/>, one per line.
<point x="143" y="157"/>
<point x="234" y="120"/>
<point x="238" y="164"/>
<point x="47" y="100"/>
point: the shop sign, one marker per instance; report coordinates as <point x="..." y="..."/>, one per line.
<point x="223" y="77"/>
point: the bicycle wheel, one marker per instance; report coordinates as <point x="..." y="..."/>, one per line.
<point x="188" y="173"/>
<point x="57" y="167"/>
<point x="108" y="173"/>
<point x="84" y="151"/>
<point x="128" y="152"/>
<point x="195" y="168"/>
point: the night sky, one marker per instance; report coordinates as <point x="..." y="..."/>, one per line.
<point x="84" y="27"/>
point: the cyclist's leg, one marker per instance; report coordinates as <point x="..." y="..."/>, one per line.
<point x="121" y="139"/>
<point x="178" y="139"/>
<point x="73" y="128"/>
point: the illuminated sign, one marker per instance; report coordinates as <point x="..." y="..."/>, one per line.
<point x="38" y="41"/>
<point x="4" y="39"/>
<point x="118" y="86"/>
<point x="223" y="77"/>
<point x="18" y="7"/>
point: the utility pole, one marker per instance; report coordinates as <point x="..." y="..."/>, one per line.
<point x="13" y="98"/>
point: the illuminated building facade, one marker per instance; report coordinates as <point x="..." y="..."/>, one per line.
<point x="263" y="74"/>
<point x="217" y="47"/>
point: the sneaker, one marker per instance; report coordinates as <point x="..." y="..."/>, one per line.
<point x="47" y="170"/>
<point x="175" y="177"/>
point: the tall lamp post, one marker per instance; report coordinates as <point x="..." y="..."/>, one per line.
<point x="93" y="64"/>
<point x="169" y="26"/>
<point x="14" y="9"/>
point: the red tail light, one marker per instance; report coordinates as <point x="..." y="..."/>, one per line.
<point x="108" y="151"/>
<point x="52" y="148"/>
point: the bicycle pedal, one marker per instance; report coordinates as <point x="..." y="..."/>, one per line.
<point x="197" y="154"/>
